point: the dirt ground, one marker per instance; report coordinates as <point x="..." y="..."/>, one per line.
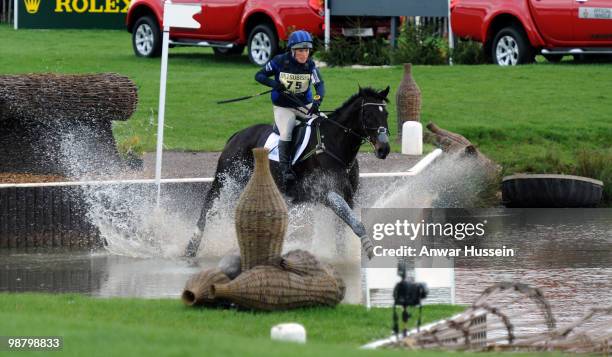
<point x="204" y="164"/>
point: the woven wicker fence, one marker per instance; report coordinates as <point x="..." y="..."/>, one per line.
<point x="62" y="124"/>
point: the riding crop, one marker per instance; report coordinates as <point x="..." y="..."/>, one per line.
<point x="243" y="98"/>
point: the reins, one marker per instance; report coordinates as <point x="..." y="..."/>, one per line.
<point x="320" y="146"/>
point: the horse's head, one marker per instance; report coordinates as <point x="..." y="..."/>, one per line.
<point x="373" y="119"/>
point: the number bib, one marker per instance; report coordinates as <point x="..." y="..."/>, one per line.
<point x="295" y="82"/>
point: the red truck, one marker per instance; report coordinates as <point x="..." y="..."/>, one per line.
<point x="228" y="26"/>
<point x="514" y="31"/>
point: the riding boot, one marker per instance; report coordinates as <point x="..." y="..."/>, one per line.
<point x="284" y="159"/>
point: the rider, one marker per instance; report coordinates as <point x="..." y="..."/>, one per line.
<point x="293" y="72"/>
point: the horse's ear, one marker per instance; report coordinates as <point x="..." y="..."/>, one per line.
<point x="360" y="89"/>
<point x="385" y="92"/>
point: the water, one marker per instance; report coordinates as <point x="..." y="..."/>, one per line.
<point x="142" y="258"/>
<point x="106" y="275"/>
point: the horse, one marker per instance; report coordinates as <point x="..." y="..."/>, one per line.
<point x="327" y="172"/>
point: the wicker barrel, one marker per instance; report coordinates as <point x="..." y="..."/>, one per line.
<point x="198" y="288"/>
<point x="407" y="100"/>
<point x="261" y="216"/>
<point x="272" y="288"/>
<point x="301" y="262"/>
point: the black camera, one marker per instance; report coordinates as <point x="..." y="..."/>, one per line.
<point x="407" y="293"/>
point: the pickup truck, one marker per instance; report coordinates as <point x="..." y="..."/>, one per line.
<point x="514" y="31"/>
<point x="228" y="26"/>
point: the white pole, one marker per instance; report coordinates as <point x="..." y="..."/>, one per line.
<point x="451" y="40"/>
<point x="327" y="24"/>
<point x="161" y="111"/>
<point x="15" y="14"/>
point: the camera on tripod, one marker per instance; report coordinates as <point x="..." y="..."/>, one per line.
<point x="406" y="293"/>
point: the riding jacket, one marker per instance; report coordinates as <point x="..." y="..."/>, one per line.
<point x="295" y="76"/>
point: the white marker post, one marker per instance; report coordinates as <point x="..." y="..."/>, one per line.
<point x="327" y="25"/>
<point x="175" y="15"/>
<point x="16" y="14"/>
<point x="451" y="39"/>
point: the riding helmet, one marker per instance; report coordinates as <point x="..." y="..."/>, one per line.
<point x="300" y="39"/>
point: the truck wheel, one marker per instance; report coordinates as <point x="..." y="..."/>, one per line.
<point x="511" y="47"/>
<point x="263" y="44"/>
<point x="222" y="51"/>
<point x="146" y="37"/>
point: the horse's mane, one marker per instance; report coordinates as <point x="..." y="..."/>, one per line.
<point x="363" y="92"/>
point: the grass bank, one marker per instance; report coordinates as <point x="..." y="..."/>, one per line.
<point x="129" y="327"/>
<point x="529" y="118"/>
<point x="136" y="327"/>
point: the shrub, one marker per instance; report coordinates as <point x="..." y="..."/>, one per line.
<point x="468" y="52"/>
<point x="420" y="45"/>
<point x="345" y="51"/>
<point x="596" y="164"/>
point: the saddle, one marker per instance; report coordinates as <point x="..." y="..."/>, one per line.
<point x="300" y="137"/>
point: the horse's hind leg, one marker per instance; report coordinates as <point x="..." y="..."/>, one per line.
<point x="342" y="210"/>
<point x="195" y="240"/>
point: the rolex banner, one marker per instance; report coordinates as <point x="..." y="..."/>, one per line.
<point x="76" y="14"/>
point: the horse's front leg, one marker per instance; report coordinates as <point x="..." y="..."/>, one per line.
<point x="342" y="210"/>
<point x="194" y="242"/>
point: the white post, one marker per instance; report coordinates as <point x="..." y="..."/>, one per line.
<point x="327" y="25"/>
<point x="162" y="109"/>
<point x="15" y="14"/>
<point x="451" y="40"/>
<point x="179" y="15"/>
<point x="412" y="138"/>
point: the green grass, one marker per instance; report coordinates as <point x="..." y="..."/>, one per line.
<point x="93" y="326"/>
<point x="518" y="116"/>
<point x="127" y="327"/>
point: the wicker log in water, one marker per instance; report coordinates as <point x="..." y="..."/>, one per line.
<point x="62" y="124"/>
<point x="198" y="288"/>
<point x="261" y="216"/>
<point x="456" y="143"/>
<point x="52" y="97"/>
<point x="272" y="288"/>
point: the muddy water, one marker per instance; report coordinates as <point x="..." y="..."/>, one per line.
<point x="143" y="260"/>
<point x="106" y="275"/>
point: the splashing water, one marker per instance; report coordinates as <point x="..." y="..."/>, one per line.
<point x="452" y="181"/>
<point x="131" y="224"/>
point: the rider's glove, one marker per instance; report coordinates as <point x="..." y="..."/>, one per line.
<point x="280" y="87"/>
<point x="316" y="103"/>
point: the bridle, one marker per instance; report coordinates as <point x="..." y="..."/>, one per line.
<point x="320" y="147"/>
<point x="363" y="137"/>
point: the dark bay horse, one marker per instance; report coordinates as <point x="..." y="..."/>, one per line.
<point x="327" y="172"/>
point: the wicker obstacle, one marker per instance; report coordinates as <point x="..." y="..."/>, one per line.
<point x="62" y="124"/>
<point x="198" y="291"/>
<point x="60" y="97"/>
<point x="511" y="316"/>
<point x="295" y="280"/>
<point x="261" y="215"/>
<point x="261" y="278"/>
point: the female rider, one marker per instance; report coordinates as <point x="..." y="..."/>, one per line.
<point x="293" y="72"/>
